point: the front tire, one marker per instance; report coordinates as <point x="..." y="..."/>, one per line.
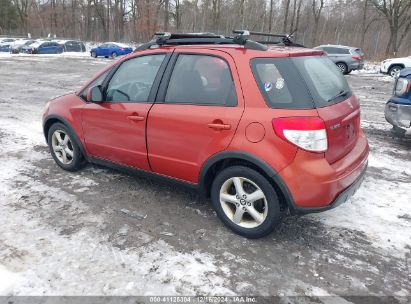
<point x="394" y="70"/>
<point x="64" y="149"/>
<point x="245" y="202"/>
<point x="93" y="54"/>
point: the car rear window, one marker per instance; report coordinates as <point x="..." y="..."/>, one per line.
<point x="304" y="82"/>
<point x="357" y="52"/>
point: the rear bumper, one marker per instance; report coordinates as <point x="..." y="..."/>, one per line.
<point x="358" y="65"/>
<point x="340" y="199"/>
<point x="315" y="185"/>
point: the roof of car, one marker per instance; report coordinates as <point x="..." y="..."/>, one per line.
<point x="338" y="46"/>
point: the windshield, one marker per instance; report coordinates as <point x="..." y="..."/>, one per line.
<point x="304" y="82"/>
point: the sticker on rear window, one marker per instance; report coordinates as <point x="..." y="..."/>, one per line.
<point x="268" y="86"/>
<point x="279" y="84"/>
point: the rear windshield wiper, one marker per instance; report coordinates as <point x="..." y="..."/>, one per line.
<point x="340" y="94"/>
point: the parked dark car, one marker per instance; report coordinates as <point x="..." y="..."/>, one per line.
<point x="43" y="47"/>
<point x="5" y="46"/>
<point x="17" y="45"/>
<point x="398" y="107"/>
<point x="72" y="45"/>
<point x="347" y="58"/>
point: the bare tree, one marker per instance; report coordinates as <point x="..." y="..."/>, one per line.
<point x="286" y="11"/>
<point x="396" y="13"/>
<point x="317" y="8"/>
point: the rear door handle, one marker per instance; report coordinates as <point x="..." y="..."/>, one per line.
<point x="135" y="117"/>
<point x="219" y="126"/>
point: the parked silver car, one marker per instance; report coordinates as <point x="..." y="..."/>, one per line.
<point x="347" y="58"/>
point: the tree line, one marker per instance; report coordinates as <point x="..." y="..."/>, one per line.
<point x="379" y="27"/>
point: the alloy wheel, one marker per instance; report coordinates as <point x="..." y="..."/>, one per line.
<point x="342" y="67"/>
<point x="62" y="147"/>
<point x="243" y="202"/>
<point x="394" y="72"/>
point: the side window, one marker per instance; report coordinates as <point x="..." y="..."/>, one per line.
<point x="280" y="83"/>
<point x="133" y="80"/>
<point x="203" y="80"/>
<point x="97" y="82"/>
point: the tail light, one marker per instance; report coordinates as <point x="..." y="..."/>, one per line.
<point x="121" y="49"/>
<point x="307" y="133"/>
<point x="356" y="58"/>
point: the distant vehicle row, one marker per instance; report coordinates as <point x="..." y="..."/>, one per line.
<point x="40" y="46"/>
<point x="346" y="58"/>
<point x="57" y="46"/>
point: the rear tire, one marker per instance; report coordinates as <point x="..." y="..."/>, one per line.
<point x="113" y="55"/>
<point x="245" y="202"/>
<point x="343" y="67"/>
<point x="394" y="70"/>
<point x="64" y="149"/>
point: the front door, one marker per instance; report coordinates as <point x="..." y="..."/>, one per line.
<point x="196" y="114"/>
<point x="115" y="129"/>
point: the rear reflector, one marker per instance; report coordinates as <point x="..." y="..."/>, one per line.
<point x="307" y="133"/>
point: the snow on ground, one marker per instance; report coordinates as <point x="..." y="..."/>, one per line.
<point x="148" y="268"/>
<point x="381" y="208"/>
<point x="62" y="233"/>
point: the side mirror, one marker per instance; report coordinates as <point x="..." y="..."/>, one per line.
<point x="94" y="94"/>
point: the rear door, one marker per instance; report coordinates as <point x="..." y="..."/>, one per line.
<point x="115" y="129"/>
<point x="331" y="53"/>
<point x="196" y="114"/>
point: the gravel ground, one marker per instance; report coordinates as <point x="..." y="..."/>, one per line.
<point x="65" y="234"/>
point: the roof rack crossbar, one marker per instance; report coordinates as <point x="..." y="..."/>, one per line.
<point x="206" y="40"/>
<point x="248" y="33"/>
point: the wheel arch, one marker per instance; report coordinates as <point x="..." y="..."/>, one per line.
<point x="53" y="119"/>
<point x="227" y="159"/>
<point x="396" y="64"/>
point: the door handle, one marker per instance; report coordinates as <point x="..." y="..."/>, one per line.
<point x="135" y="118"/>
<point x="219" y="126"/>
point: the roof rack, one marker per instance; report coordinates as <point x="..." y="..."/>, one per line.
<point x="286" y="39"/>
<point x="242" y="37"/>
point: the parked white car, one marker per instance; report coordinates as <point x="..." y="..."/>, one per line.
<point x="393" y="66"/>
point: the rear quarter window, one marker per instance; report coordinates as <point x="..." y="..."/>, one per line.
<point x="280" y="83"/>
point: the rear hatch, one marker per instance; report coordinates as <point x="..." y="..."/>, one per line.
<point x="358" y="53"/>
<point x="312" y="82"/>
